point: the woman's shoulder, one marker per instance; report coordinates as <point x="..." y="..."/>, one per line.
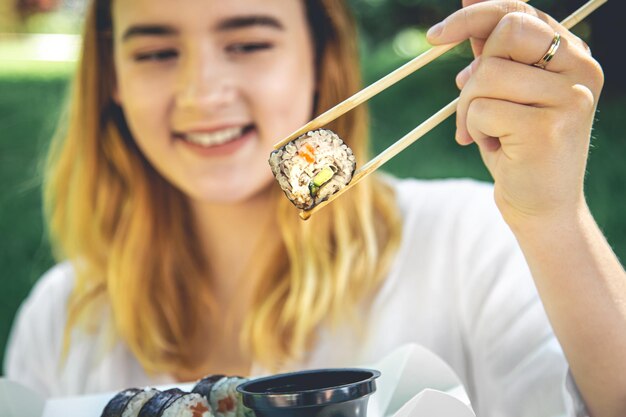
<point x="46" y="304"/>
<point x="53" y="288"/>
<point x="39" y="323"/>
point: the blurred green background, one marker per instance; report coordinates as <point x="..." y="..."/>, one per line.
<point x="33" y="87"/>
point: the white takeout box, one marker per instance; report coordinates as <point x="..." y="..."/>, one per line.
<point x="414" y="382"/>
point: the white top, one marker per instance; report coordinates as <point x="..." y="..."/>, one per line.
<point x="459" y="286"/>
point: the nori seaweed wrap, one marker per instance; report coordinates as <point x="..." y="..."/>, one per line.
<point x="157" y="404"/>
<point x="220" y="391"/>
<point x="128" y="402"/>
<point x="176" y="403"/>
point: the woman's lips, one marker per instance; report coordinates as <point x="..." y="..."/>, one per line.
<point x="224" y="149"/>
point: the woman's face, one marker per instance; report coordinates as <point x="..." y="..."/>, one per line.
<point x="207" y="86"/>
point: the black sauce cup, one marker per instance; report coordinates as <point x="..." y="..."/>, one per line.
<point x="341" y="392"/>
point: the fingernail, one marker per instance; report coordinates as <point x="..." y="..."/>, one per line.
<point x="435" y="31"/>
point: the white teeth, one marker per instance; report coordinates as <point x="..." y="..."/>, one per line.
<point x="214" y="138"/>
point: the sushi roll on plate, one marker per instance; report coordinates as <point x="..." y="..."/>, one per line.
<point x="206" y="384"/>
<point x="176" y="403"/>
<point x="127" y="403"/>
<point x="221" y="393"/>
<point x="313" y="167"/>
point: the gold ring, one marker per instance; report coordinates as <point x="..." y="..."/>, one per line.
<point x="543" y="62"/>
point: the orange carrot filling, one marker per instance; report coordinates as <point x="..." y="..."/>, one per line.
<point x="198" y="410"/>
<point x="225" y="405"/>
<point x="307" y="152"/>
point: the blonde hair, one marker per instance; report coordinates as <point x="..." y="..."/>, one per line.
<point x="109" y="212"/>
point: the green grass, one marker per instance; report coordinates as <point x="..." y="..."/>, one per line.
<point x="30" y="100"/>
<point x="38" y="70"/>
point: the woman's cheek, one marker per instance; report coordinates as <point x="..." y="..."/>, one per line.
<point x="147" y="92"/>
<point x="289" y="91"/>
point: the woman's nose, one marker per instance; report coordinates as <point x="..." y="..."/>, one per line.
<point x="205" y="84"/>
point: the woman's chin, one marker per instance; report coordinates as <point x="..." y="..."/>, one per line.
<point x="232" y="194"/>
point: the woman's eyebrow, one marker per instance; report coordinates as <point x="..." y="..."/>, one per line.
<point x="148" y="30"/>
<point x="241" y="22"/>
<point x="233" y="23"/>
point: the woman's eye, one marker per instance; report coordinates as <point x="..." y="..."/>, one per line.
<point x="160" y="55"/>
<point x="250" y="47"/>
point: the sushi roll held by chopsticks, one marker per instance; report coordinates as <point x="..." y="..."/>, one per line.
<point x="313" y="167"/>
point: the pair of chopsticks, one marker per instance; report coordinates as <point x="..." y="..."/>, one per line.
<point x="386" y="82"/>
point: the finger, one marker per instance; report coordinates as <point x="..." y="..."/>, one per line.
<point x="495" y="118"/>
<point x="474" y="21"/>
<point x="491" y="118"/>
<point x="526" y="39"/>
<point x="502" y="79"/>
<point x="519" y="37"/>
<point x="492" y="76"/>
<point x="479" y="19"/>
<point x="558" y="27"/>
<point x="470" y="2"/>
<point x="477" y="44"/>
<point x="488" y="144"/>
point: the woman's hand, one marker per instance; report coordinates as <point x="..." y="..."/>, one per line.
<point x="532" y="125"/>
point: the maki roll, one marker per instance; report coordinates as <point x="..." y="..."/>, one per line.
<point x="221" y="393"/>
<point x="176" y="403"/>
<point x="203" y="387"/>
<point x="127" y="403"/>
<point x="313" y="167"/>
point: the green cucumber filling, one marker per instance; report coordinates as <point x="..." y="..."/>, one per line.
<point x="320" y="179"/>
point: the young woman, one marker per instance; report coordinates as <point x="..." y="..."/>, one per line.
<point x="182" y="258"/>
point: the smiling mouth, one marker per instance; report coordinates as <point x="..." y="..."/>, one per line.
<point x="215" y="138"/>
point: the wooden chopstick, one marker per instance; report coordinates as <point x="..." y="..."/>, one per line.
<point x="369" y="91"/>
<point x="582" y="13"/>
<point x="389" y="153"/>
<point x="402" y="143"/>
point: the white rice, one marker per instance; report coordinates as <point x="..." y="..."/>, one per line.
<point x="222" y="402"/>
<point x="294" y="172"/>
<point x="225" y="401"/>
<point x="135" y="404"/>
<point x="189" y="405"/>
